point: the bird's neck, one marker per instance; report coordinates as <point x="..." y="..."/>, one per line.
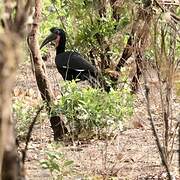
<point x="61" y="47"/>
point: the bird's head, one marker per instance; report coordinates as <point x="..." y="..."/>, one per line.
<point x="57" y="35"/>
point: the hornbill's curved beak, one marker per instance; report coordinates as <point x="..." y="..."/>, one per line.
<point x="50" y="38"/>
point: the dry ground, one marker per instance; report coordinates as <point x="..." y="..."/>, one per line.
<point x="131" y="154"/>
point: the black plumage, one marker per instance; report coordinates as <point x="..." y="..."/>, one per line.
<point x="71" y="65"/>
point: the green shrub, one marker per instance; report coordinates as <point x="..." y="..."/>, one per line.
<point x="91" y="110"/>
<point x="83" y="24"/>
<point x="58" y="165"/>
<point x="23" y="113"/>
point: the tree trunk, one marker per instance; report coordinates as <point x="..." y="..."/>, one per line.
<point x="137" y="42"/>
<point x="9" y="57"/>
<point x="44" y="86"/>
<point x="40" y="68"/>
<point x="14" y="23"/>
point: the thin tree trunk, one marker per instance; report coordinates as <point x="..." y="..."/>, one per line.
<point x="9" y="57"/>
<point x="44" y="86"/>
<point x="115" y="5"/>
<point x="40" y="68"/>
<point x="140" y="44"/>
<point x="104" y="46"/>
<point x="137" y="42"/>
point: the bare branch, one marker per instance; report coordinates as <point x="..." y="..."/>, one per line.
<point x="162" y="154"/>
<point x="28" y="136"/>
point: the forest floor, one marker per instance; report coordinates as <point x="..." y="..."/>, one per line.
<point x="130" y="154"/>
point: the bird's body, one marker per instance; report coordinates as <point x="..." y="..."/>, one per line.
<point x="71" y="65"/>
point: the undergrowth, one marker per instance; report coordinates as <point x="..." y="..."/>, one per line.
<point x="23" y="113"/>
<point x="90" y="111"/>
<point x="56" y="162"/>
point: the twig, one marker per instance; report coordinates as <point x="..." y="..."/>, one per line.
<point x="162" y="155"/>
<point x="57" y="12"/>
<point x="28" y="136"/>
<point x="173" y="139"/>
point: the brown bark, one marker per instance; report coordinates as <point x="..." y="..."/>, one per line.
<point x="104" y="48"/>
<point x="140" y="45"/>
<point x="103" y="44"/>
<point x="115" y="6"/>
<point x="40" y="68"/>
<point x="44" y="86"/>
<point x="129" y="48"/>
<point x="137" y="43"/>
<point x="9" y="57"/>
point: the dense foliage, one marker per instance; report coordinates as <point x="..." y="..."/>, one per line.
<point x="97" y="30"/>
<point x="92" y="110"/>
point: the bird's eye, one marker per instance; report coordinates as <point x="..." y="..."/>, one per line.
<point x="57" y="31"/>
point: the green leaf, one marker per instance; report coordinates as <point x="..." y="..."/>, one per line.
<point x="68" y="162"/>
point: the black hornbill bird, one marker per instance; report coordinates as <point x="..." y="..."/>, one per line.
<point x="71" y="65"/>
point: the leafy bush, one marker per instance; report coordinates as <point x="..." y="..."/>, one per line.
<point x="58" y="165"/>
<point x="87" y="29"/>
<point x="88" y="110"/>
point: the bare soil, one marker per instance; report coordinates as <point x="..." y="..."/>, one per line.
<point x="131" y="154"/>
